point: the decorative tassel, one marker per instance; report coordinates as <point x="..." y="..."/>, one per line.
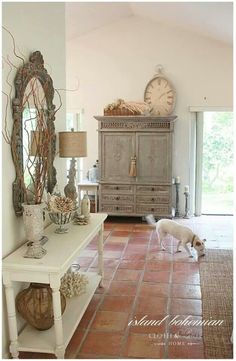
<point x="133" y="171"/>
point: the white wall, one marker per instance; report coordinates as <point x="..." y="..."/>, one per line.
<point x="35" y="26"/>
<point x="117" y="61"/>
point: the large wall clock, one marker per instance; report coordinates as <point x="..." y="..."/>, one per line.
<point x="160" y="95"/>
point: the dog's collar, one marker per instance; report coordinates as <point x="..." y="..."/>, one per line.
<point x="193" y="240"/>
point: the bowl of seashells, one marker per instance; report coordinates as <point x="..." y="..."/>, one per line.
<point x="61" y="212"/>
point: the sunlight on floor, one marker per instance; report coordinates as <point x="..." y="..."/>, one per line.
<point x="221" y="203"/>
<point x="218" y="230"/>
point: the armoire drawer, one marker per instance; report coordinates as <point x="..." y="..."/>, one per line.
<point x="153" y="189"/>
<point x="117" y="198"/>
<point x="118" y="209"/>
<point x="117" y="188"/>
<point x="161" y="209"/>
<point x="153" y="199"/>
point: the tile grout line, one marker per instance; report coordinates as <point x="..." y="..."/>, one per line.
<point x="166" y="350"/>
<point x="101" y="356"/>
<point x="202" y="340"/>
<point x="126" y="334"/>
<point x="97" y="307"/>
<point x="88" y="329"/>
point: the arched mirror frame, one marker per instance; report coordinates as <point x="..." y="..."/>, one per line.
<point x="33" y="69"/>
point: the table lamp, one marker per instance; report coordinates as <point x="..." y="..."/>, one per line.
<point x="72" y="145"/>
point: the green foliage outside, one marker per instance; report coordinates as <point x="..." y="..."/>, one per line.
<point x="218" y="152"/>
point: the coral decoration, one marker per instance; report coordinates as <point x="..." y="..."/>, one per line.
<point x="59" y="204"/>
<point x="73" y="284"/>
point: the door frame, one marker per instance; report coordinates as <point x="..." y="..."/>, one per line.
<point x="196" y="152"/>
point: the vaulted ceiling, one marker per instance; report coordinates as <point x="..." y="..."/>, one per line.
<point x="211" y="19"/>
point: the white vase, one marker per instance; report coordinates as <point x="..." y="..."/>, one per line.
<point x="34" y="228"/>
<point x="85" y="207"/>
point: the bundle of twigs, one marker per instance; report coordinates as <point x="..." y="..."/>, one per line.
<point x="134" y="108"/>
<point x="35" y="130"/>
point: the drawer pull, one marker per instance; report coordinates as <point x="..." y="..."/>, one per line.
<point x="153" y="189"/>
<point x="117" y="208"/>
<point x="117" y="188"/>
<point x="117" y="198"/>
<point x="153" y="199"/>
<point x="152" y="209"/>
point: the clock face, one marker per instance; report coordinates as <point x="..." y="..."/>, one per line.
<point x="160" y="95"/>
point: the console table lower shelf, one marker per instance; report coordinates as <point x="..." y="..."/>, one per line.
<point x="62" y="251"/>
<point x="32" y="340"/>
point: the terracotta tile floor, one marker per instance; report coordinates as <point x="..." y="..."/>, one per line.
<point x="142" y="280"/>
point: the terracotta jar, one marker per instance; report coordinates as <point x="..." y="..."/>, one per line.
<point x="35" y="305"/>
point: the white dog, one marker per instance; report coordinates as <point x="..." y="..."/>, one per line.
<point x="182" y="233"/>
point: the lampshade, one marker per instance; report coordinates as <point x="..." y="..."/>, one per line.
<point x="72" y="144"/>
<point x="36" y="143"/>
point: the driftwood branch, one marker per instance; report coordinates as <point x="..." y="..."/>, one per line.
<point x="32" y="134"/>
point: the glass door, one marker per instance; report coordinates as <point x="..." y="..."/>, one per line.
<point x="217" y="163"/>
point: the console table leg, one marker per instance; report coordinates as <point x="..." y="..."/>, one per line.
<point x="60" y="353"/>
<point x="96" y="200"/>
<point x="14" y="349"/>
<point x="12" y="323"/>
<point x="56" y="297"/>
<point x="100" y="255"/>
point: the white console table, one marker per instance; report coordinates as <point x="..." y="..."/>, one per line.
<point x="89" y="186"/>
<point x="62" y="250"/>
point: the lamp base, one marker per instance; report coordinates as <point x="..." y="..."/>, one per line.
<point x="70" y="189"/>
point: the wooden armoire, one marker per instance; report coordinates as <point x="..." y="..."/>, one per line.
<point x="148" y="139"/>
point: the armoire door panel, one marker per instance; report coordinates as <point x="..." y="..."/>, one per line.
<point x="118" y="148"/>
<point x="153" y="157"/>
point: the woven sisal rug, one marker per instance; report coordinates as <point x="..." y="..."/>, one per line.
<point x="216" y="277"/>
